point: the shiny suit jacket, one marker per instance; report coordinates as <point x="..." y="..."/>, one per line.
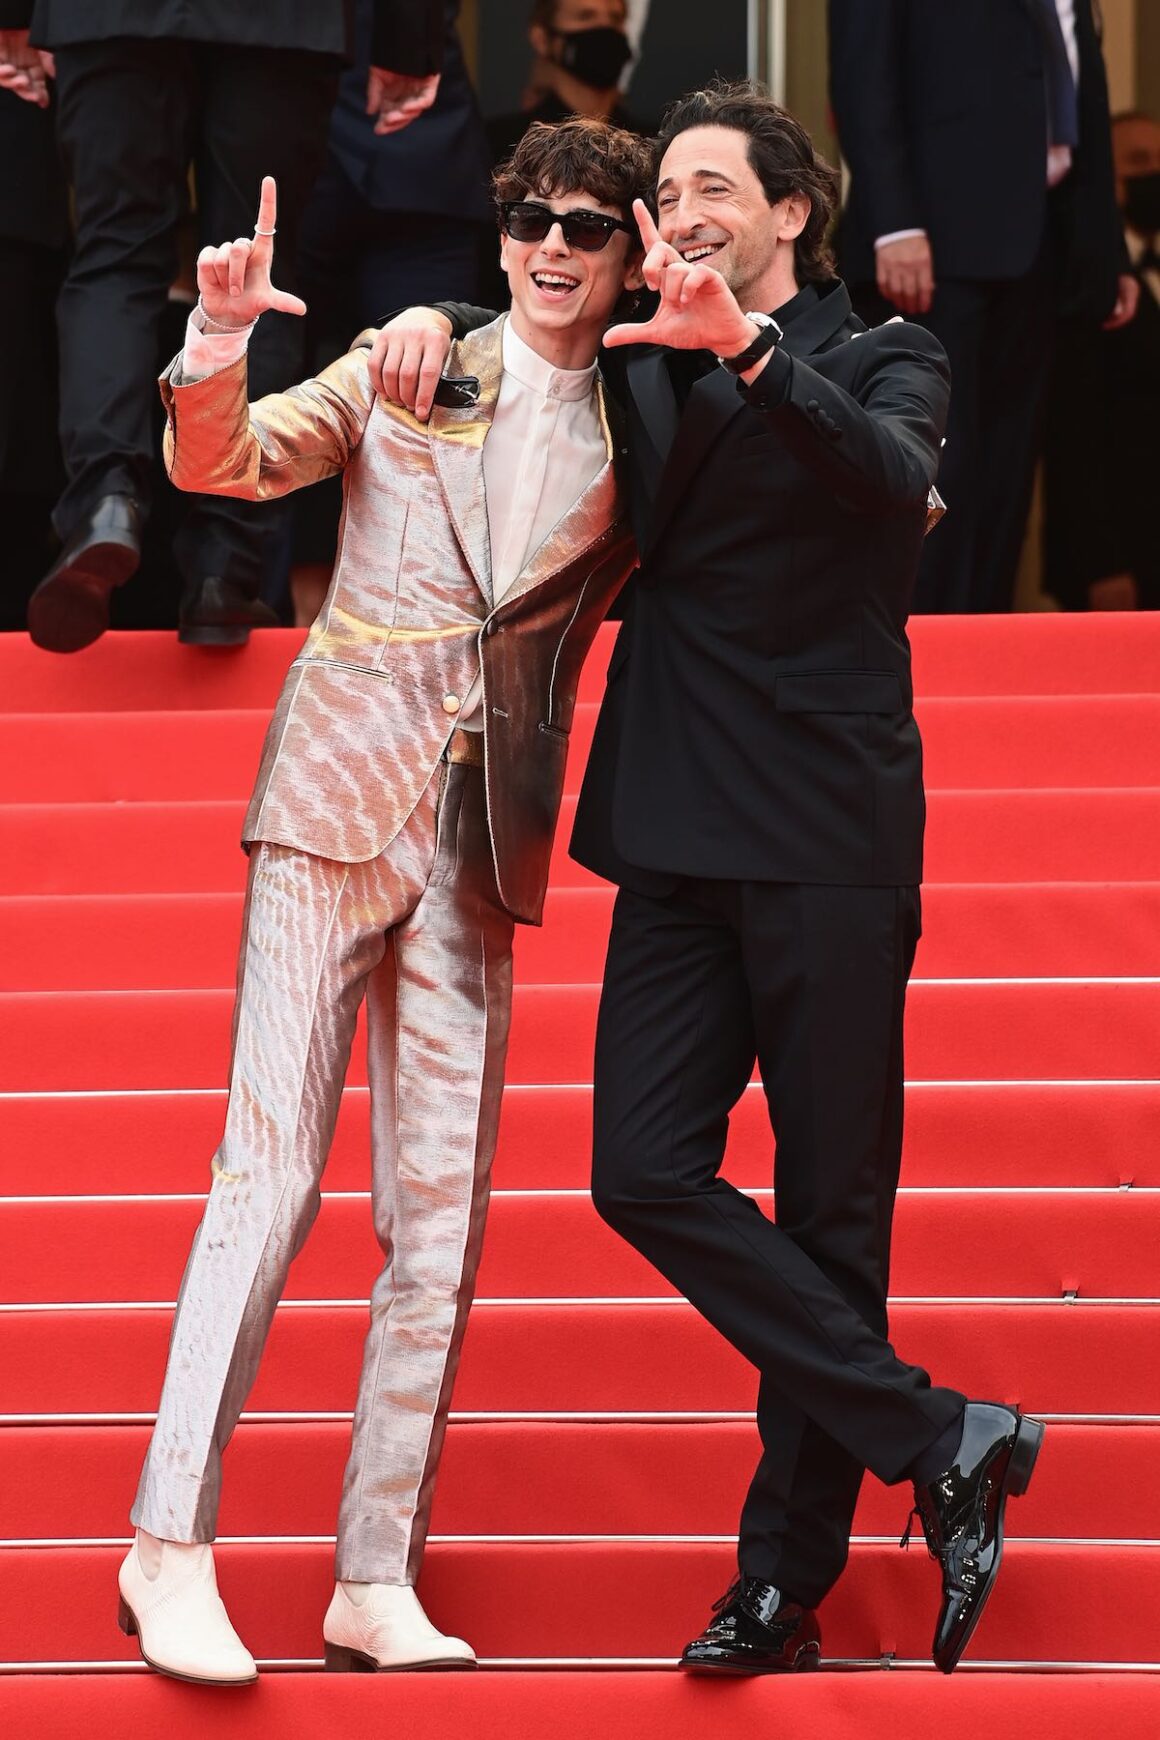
<point x="369" y="705"/>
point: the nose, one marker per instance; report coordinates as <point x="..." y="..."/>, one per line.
<point x="554" y="243"/>
<point x="682" y="219"/>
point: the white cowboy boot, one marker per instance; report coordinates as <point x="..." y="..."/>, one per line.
<point x="378" y="1627"/>
<point x="170" y="1603"/>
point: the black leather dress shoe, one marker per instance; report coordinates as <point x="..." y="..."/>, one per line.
<point x="756" y="1631"/>
<point x="70" y="607"/>
<point x="962" y="1516"/>
<point x="218" y="613"/>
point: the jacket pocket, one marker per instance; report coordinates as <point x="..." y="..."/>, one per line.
<point x="839" y="692"/>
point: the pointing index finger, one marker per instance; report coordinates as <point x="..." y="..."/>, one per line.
<point x="267" y="205"/>
<point x="649" y="234"/>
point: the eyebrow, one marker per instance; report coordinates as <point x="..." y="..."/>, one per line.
<point x="701" y="175"/>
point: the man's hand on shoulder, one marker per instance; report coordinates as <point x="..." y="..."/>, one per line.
<point x="697" y="311"/>
<point x="407" y="359"/>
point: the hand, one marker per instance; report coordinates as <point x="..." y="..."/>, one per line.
<point x="234" y="280"/>
<point x="398" y="98"/>
<point x="407" y="359"/>
<point x="698" y="310"/>
<point x="24" y="70"/>
<point x="905" y="271"/>
<point x="1127" y="301"/>
<point x="1114" y="592"/>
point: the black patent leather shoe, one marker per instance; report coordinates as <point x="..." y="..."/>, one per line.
<point x="756" y="1631"/>
<point x="962" y="1516"/>
<point x="70" y="608"/>
<point x="217" y="613"/>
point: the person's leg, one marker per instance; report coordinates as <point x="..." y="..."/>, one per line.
<point x="438" y="1008"/>
<point x="124" y="119"/>
<point x="264" y="112"/>
<point x="828" y="969"/>
<point x="312" y="934"/>
<point x="674" y="1029"/>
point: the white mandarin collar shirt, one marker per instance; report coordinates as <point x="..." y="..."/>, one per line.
<point x="545" y="445"/>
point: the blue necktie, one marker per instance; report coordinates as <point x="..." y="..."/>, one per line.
<point x="1062" y="98"/>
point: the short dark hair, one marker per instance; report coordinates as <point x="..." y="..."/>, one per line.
<point x="781" y="155"/>
<point x="577" y="156"/>
<point x="544" y="13"/>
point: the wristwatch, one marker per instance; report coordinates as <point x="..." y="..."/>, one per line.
<point x="769" y="335"/>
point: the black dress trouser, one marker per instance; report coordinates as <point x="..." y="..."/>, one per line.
<point x="134" y="116"/>
<point x="810" y="982"/>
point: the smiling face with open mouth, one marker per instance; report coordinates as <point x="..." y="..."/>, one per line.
<point x="712" y="207"/>
<point x="563" y="297"/>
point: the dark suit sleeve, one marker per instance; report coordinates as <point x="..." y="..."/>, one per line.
<point x="15" y="14"/>
<point x="407" y="36"/>
<point x="465" y="317"/>
<point x="877" y="445"/>
<point x="866" y="65"/>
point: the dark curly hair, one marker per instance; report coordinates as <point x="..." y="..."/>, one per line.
<point x="577" y="156"/>
<point x="781" y="155"/>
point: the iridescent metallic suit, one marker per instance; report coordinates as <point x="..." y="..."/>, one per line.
<point x="384" y="867"/>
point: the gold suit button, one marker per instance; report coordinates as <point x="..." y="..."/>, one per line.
<point x="451" y="703"/>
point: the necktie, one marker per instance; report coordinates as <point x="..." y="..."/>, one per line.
<point x="1062" y="99"/>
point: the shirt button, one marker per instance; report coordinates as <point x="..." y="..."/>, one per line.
<point x="451" y="703"/>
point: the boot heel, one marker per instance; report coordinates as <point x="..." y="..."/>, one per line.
<point x="125" y="1619"/>
<point x="1024" y="1452"/>
<point x="340" y="1660"/>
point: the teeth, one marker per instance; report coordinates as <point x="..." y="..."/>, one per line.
<point x="555" y="279"/>
<point x="692" y="254"/>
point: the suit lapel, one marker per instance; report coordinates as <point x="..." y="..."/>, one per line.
<point x="591" y="514"/>
<point x="709" y="409"/>
<point x="456" y="438"/>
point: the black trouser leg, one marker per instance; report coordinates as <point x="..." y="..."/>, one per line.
<point x="831" y="1058"/>
<point x="263" y="112"/>
<point x="125" y="119"/>
<point x="998" y="336"/>
<point x="695" y="984"/>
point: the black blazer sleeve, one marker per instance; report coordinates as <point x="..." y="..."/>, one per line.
<point x="407" y="36"/>
<point x="877" y="443"/>
<point x="866" y="74"/>
<point x="465" y="317"/>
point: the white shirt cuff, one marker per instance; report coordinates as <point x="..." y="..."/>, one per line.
<point x="206" y="353"/>
<point x="897" y="236"/>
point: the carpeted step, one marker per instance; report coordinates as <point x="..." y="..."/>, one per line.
<point x="169" y="756"/>
<point x="109" y="942"/>
<point x="1038" y="1245"/>
<point x="590" y="1706"/>
<point x="610" y="1599"/>
<point x="1081" y="654"/>
<point x="1046" y="1134"/>
<point x="973" y="836"/>
<point x="1065" y="1358"/>
<point x="959" y="1030"/>
<point x="589" y="1478"/>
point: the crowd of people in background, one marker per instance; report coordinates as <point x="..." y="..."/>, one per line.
<point x="125" y="146"/>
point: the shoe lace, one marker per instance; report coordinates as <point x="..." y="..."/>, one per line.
<point x="728" y="1598"/>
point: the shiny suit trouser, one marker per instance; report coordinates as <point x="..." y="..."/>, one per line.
<point x="421" y="934"/>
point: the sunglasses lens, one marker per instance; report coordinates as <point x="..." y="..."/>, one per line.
<point x="527" y="223"/>
<point x="588" y="234"/>
<point x="587" y="231"/>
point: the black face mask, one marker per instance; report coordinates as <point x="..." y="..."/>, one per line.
<point x="1142" y="202"/>
<point x="595" y="57"/>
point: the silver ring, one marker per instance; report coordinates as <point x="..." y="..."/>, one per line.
<point x="272" y="232"/>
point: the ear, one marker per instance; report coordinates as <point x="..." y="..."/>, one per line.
<point x="503" y="242"/>
<point x="797" y="214"/>
<point x="633" y="275"/>
<point x="538" y="37"/>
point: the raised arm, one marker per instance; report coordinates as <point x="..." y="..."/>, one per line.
<point x="216" y="442"/>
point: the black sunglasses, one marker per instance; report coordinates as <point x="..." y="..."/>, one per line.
<point x="525" y="221"/>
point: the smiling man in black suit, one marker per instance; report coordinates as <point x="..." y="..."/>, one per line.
<point x="755" y="789"/>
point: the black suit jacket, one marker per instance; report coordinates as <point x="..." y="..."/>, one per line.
<point x="941" y="111"/>
<point x="408" y="33"/>
<point x="757" y="722"/>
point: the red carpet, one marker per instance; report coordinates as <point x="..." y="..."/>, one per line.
<point x="599" y="1449"/>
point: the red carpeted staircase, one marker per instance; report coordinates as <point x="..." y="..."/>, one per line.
<point x="602" y="1438"/>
